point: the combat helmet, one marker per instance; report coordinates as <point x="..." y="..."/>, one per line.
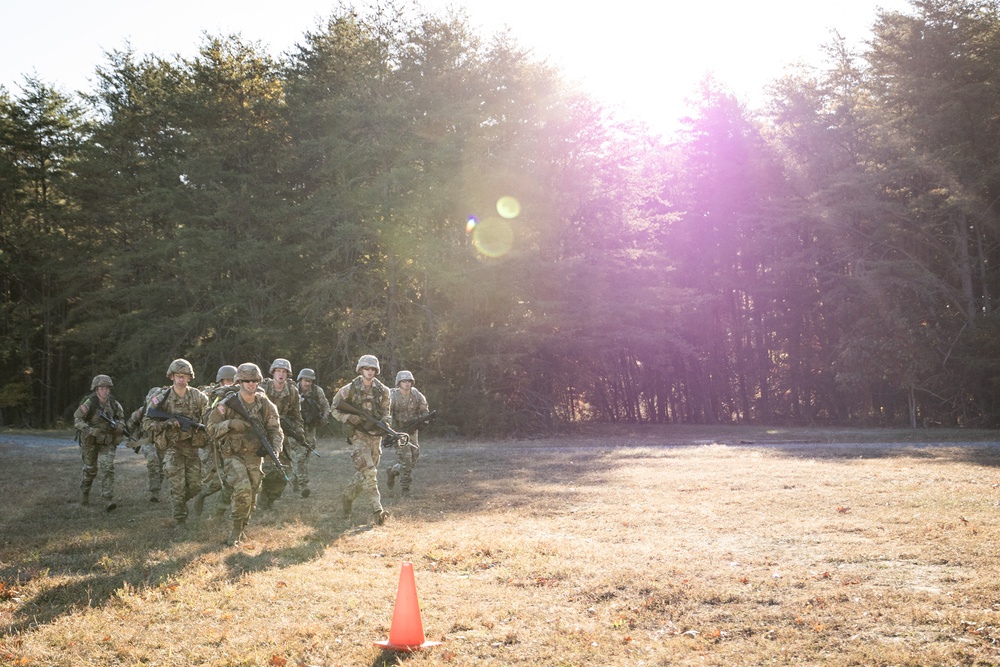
<point x="306" y="373"/>
<point x="368" y="361"/>
<point x="180" y="366"/>
<point x="248" y="372"/>
<point x="226" y="372"/>
<point x="280" y="363"/>
<point x="403" y="375"/>
<point x="101" y="381"/>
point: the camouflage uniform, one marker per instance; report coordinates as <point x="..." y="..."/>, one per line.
<point x="211" y="463"/>
<point x="405" y="406"/>
<point x="287" y="402"/>
<point x="181" y="463"/>
<point x="315" y="410"/>
<point x="149" y="451"/>
<point x="364" y="439"/>
<point x="240" y="449"/>
<point x="99" y="440"/>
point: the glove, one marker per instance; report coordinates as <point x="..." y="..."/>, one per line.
<point x="119" y="429"/>
<point x="173" y="424"/>
<point x="355" y="420"/>
<point x="237" y="426"/>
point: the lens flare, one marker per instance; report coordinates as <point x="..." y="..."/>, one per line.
<point x="470" y="224"/>
<point x="508" y="207"/>
<point x="493" y="237"/>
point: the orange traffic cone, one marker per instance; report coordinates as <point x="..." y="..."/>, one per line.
<point x="406" y="632"/>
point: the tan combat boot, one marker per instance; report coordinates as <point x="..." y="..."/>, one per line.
<point x="236" y="536"/>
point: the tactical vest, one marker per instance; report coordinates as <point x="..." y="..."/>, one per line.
<point x="357" y="396"/>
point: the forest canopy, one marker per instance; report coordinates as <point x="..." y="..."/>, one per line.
<point x="402" y="186"/>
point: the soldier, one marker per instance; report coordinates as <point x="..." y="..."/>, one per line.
<point x="152" y="454"/>
<point x="179" y="441"/>
<point x="367" y="393"/>
<point x="315" y="412"/>
<point x="99" y="422"/>
<point x="211" y="470"/>
<point x="285" y="396"/>
<point x="406" y="404"/>
<point x="239" y="445"/>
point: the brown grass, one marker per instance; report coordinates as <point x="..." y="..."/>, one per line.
<point x="657" y="546"/>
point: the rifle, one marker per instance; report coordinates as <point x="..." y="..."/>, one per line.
<point x="391" y="436"/>
<point x="310" y="411"/>
<point x="265" y="444"/>
<point x="114" y="424"/>
<point x="288" y="427"/>
<point x="418" y="421"/>
<point x="187" y="423"/>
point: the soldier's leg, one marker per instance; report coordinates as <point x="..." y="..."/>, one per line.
<point x="266" y="494"/>
<point x="356" y="485"/>
<point x="192" y="476"/>
<point x="371" y="480"/>
<point x="274" y="482"/>
<point x="392" y="471"/>
<point x="405" y="468"/>
<point x="154" y="471"/>
<point x="239" y="480"/>
<point x="209" y="473"/>
<point x="88" y="452"/>
<point x="176" y="479"/>
<point x="106" y="466"/>
<point x="225" y="499"/>
<point x="300" y="458"/>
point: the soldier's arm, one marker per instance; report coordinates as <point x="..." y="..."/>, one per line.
<point x="295" y="413"/>
<point x="272" y="424"/>
<point x="324" y="405"/>
<point x="80" y="419"/>
<point x="217" y="422"/>
<point x="340" y="415"/>
<point x="385" y="406"/>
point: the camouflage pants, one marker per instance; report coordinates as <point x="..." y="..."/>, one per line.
<point x="365" y="454"/>
<point x="300" y="457"/>
<point x="406" y="458"/>
<point x="243" y="475"/>
<point x="211" y="469"/>
<point x="154" y="467"/>
<point x="98" y="460"/>
<point x="274" y="480"/>
<point x="182" y="470"/>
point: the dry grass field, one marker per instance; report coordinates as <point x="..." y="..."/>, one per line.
<point x="663" y="546"/>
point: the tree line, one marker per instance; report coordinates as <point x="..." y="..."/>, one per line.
<point x="399" y="185"/>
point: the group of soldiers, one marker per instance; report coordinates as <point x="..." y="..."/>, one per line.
<point x="246" y="437"/>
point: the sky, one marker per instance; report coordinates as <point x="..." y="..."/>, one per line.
<point x="642" y="58"/>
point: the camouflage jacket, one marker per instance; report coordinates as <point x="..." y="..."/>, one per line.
<point x="315" y="407"/>
<point x="374" y="400"/>
<point x="404" y="408"/>
<point x="287" y="401"/>
<point x="242" y="440"/>
<point x="91" y="426"/>
<point x="191" y="405"/>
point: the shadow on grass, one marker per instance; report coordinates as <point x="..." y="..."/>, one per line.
<point x="389" y="658"/>
<point x="57" y="557"/>
<point x="978" y="454"/>
<point x="92" y="556"/>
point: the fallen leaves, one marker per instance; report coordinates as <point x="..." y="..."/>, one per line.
<point x="7" y="592"/>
